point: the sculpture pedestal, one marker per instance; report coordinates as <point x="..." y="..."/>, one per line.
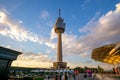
<point x="59" y="65"/>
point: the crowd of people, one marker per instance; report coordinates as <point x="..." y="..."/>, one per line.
<point x="64" y="76"/>
<point x="72" y="75"/>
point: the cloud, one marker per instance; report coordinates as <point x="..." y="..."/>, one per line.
<point x="89" y="61"/>
<point x="31" y="64"/>
<point x="73" y="65"/>
<point x="53" y="35"/>
<point x="85" y="4"/>
<point x="85" y="55"/>
<point x="99" y="32"/>
<point x="20" y="21"/>
<point x="44" y="15"/>
<point x="13" y="29"/>
<point x="106" y="29"/>
<point x="39" y="57"/>
<point x="8" y="46"/>
<point x="30" y="59"/>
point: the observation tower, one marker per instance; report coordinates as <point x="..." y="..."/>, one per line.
<point x="59" y="28"/>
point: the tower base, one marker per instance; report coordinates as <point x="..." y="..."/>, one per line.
<point x="59" y="65"/>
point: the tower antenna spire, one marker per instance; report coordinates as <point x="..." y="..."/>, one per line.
<point x="59" y="12"/>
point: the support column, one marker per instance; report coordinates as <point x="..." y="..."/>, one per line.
<point x="59" y="48"/>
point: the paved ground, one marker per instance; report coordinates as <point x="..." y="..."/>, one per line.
<point x="97" y="77"/>
<point x="105" y="77"/>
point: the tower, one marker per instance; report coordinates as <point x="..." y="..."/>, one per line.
<point x="59" y="28"/>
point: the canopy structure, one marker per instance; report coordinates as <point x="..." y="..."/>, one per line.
<point x="108" y="53"/>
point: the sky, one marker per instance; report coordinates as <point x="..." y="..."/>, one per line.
<point x="28" y="26"/>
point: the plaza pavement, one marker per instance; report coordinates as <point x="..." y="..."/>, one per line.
<point x="97" y="77"/>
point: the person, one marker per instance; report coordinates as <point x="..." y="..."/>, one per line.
<point x="59" y="77"/>
<point x="94" y="76"/>
<point x="85" y="76"/>
<point x="89" y="73"/>
<point x="74" y="76"/>
<point x="65" y="76"/>
<point x="55" y="77"/>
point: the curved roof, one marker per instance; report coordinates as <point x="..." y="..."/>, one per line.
<point x="106" y="54"/>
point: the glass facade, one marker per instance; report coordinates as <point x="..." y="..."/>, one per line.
<point x="3" y="66"/>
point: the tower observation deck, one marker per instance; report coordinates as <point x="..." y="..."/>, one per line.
<point x="59" y="28"/>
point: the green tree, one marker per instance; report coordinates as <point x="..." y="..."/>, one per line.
<point x="80" y="69"/>
<point x="100" y="69"/>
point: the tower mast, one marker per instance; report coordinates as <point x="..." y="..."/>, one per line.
<point x="59" y="28"/>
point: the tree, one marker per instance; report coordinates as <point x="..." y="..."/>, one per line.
<point x="100" y="70"/>
<point x="79" y="69"/>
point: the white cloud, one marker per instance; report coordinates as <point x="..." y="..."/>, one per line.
<point x="84" y="55"/>
<point x="44" y="15"/>
<point x="16" y="31"/>
<point x="53" y="35"/>
<point x="85" y="4"/>
<point x="13" y="29"/>
<point x="40" y="57"/>
<point x="99" y="32"/>
<point x="89" y="61"/>
<point x="8" y="46"/>
<point x="31" y="64"/>
<point x="73" y="65"/>
<point x="51" y="45"/>
<point x="32" y="60"/>
<point x="106" y="28"/>
<point x="20" y="21"/>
